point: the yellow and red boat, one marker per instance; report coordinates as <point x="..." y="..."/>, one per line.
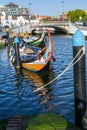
<point x="43" y="59"/>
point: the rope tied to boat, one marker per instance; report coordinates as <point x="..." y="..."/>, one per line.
<point x="82" y="51"/>
<point x="72" y="63"/>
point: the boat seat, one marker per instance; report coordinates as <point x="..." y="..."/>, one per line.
<point x="29" y="51"/>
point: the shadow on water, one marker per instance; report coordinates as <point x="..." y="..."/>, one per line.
<point x="35" y="81"/>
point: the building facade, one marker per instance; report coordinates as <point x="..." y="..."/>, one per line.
<point x="13" y="15"/>
<point x="1" y="10"/>
<point x="13" y="9"/>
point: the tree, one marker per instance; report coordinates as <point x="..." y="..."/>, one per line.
<point x="77" y="15"/>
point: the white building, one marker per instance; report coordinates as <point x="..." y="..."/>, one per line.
<point x="13" y="15"/>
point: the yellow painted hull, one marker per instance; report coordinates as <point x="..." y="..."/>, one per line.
<point x="33" y="67"/>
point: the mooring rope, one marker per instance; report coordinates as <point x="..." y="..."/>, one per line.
<point x="67" y="68"/>
<point x="72" y="63"/>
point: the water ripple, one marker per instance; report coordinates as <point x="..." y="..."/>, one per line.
<point x="16" y="90"/>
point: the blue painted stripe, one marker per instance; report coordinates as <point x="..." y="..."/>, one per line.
<point x="10" y="36"/>
<point x="78" y="39"/>
<point x="16" y="40"/>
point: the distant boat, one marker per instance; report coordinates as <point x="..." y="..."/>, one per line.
<point x="36" y="62"/>
<point x="35" y="41"/>
<point x="39" y="30"/>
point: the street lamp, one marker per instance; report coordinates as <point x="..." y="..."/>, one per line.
<point x="63" y="10"/>
<point x="30" y="8"/>
<point x="80" y="18"/>
<point x="30" y="13"/>
<point x="58" y="14"/>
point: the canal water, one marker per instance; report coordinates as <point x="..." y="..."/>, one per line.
<point x="17" y="94"/>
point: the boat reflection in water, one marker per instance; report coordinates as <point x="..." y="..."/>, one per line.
<point x="39" y="80"/>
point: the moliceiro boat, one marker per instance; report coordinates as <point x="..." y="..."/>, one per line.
<point x="31" y="59"/>
<point x="35" y="41"/>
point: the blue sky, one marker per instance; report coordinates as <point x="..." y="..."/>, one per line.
<point x="49" y="7"/>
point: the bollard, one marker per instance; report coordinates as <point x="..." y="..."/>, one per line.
<point x="16" y="43"/>
<point x="78" y="41"/>
<point x="10" y="36"/>
<point x="10" y="41"/>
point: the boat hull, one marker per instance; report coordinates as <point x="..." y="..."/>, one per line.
<point x="36" y="67"/>
<point x="37" y="43"/>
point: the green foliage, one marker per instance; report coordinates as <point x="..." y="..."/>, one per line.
<point x="77" y="15"/>
<point x="45" y="19"/>
<point x="2" y="45"/>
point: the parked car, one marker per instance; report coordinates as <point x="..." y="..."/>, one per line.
<point x="85" y="23"/>
<point x="79" y="23"/>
